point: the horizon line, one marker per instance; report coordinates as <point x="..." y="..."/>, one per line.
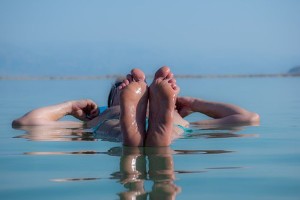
<point x="114" y="76"/>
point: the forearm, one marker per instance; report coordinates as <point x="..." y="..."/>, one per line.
<point x="44" y="115"/>
<point x="224" y="113"/>
<point x="216" y="109"/>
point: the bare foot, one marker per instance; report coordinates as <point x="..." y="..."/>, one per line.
<point x="162" y="98"/>
<point x="133" y="104"/>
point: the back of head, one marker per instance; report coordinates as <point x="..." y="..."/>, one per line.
<point x="112" y="91"/>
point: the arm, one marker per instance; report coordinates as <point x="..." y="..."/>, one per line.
<point x="84" y="110"/>
<point x="221" y="112"/>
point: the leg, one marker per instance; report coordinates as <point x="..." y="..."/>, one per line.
<point x="162" y="97"/>
<point x="133" y="104"/>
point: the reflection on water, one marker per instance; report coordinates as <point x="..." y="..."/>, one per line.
<point x="80" y="135"/>
<point x="136" y="165"/>
<point x="217" y="135"/>
<point x="63" y="153"/>
<point x="201" y="151"/>
<point x="44" y="133"/>
<point x="117" y="151"/>
<point x="73" y="179"/>
<point x="217" y="131"/>
<point x="224" y="167"/>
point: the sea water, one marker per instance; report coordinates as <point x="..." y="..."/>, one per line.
<point x="252" y="162"/>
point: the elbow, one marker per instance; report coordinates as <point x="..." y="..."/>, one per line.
<point x="25" y="121"/>
<point x="17" y="123"/>
<point x="21" y="122"/>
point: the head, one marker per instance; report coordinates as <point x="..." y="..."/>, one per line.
<point x="114" y="94"/>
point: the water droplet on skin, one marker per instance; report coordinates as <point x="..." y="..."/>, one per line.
<point x="138" y="90"/>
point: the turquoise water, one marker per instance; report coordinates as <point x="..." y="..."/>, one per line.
<point x="258" y="162"/>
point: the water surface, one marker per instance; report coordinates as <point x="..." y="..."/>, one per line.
<point x="258" y="162"/>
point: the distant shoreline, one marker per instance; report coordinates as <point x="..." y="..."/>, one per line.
<point x="183" y="76"/>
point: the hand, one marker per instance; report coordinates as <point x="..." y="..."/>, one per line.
<point x="184" y="106"/>
<point x="84" y="110"/>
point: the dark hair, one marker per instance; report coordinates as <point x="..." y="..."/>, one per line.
<point x="111" y="94"/>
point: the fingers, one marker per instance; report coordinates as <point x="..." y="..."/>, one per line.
<point x="85" y="109"/>
<point x="94" y="113"/>
<point x="91" y="109"/>
<point x="91" y="103"/>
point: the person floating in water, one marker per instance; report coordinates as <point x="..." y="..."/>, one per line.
<point x="138" y="114"/>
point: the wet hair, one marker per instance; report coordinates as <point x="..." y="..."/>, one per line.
<point x="111" y="94"/>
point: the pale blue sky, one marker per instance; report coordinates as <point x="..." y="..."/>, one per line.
<point x="73" y="37"/>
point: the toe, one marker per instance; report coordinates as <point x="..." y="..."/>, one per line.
<point x="122" y="86"/>
<point x="137" y="74"/>
<point x="129" y="78"/>
<point x="174" y="86"/>
<point x="172" y="81"/>
<point x="177" y="89"/>
<point x="170" y="75"/>
<point x="126" y="82"/>
<point x="162" y="72"/>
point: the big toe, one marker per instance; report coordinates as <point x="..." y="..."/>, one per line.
<point x="137" y="74"/>
<point x="162" y="72"/>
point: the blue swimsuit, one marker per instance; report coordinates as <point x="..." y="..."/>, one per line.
<point x="101" y="110"/>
